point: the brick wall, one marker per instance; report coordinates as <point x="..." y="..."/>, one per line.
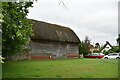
<point x="72" y="55"/>
<point x="39" y="56"/>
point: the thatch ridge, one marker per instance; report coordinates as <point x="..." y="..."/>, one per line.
<point x="55" y="25"/>
<point x="53" y="32"/>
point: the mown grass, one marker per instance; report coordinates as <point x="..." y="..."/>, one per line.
<point x="62" y="68"/>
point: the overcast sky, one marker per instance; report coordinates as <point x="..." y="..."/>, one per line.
<point x="97" y="19"/>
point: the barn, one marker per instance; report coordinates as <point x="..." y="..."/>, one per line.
<point x="53" y="41"/>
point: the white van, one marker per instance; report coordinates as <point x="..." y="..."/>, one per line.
<point x="112" y="56"/>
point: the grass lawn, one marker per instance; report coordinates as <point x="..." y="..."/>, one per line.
<point x="62" y="68"/>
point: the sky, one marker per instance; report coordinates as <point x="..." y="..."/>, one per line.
<point x="97" y="19"/>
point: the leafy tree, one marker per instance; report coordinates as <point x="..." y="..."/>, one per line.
<point x="1" y="16"/>
<point x="83" y="48"/>
<point x="118" y="41"/>
<point x="109" y="51"/>
<point x="115" y="49"/>
<point x="16" y="27"/>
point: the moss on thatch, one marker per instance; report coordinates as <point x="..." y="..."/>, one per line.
<point x="53" y="32"/>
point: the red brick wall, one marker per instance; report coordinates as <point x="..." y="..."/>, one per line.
<point x="40" y="56"/>
<point x="45" y="56"/>
<point x="72" y="55"/>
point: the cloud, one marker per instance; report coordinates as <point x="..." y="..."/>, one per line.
<point x="97" y="19"/>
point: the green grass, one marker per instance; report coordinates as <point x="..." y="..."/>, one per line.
<point x="62" y="68"/>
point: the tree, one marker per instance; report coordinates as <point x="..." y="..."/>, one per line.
<point x="87" y="41"/>
<point x="16" y="28"/>
<point x="1" y="16"/>
<point x="83" y="48"/>
<point x="115" y="49"/>
<point x="118" y="40"/>
<point x="97" y="45"/>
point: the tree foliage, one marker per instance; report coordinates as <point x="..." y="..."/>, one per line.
<point x="16" y="28"/>
<point x="115" y="49"/>
<point x="118" y="41"/>
<point x="97" y="45"/>
<point x="83" y="48"/>
<point x="96" y="51"/>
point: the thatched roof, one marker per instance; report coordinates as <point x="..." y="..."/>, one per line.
<point x="53" y="32"/>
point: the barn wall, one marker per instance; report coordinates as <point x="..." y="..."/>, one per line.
<point x="54" y="49"/>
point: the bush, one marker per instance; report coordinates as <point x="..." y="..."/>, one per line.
<point x="96" y="51"/>
<point x="113" y="50"/>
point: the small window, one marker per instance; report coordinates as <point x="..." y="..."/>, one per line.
<point x="89" y="53"/>
<point x="108" y="54"/>
<point x="94" y="54"/>
<point x="112" y="54"/>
